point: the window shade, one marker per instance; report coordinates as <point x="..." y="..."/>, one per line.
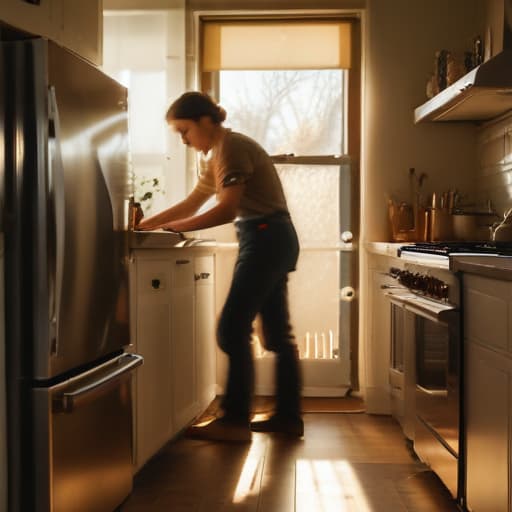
<point x="276" y="45"/>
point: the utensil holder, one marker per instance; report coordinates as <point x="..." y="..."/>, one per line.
<point x="407" y="223"/>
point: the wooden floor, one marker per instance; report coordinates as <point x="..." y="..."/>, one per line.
<point x="351" y="462"/>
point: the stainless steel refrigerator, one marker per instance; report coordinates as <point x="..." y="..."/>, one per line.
<point x="64" y="192"/>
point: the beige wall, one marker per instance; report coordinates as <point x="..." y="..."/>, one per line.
<point x="402" y="37"/>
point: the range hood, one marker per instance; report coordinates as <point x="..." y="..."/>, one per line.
<point x="482" y="94"/>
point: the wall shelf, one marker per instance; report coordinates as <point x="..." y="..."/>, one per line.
<point x="481" y="95"/>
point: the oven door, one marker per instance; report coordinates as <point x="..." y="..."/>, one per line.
<point x="437" y="377"/>
<point x="402" y="368"/>
<point x="438" y="398"/>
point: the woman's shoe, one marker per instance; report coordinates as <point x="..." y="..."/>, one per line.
<point x="293" y="427"/>
<point x="221" y="430"/>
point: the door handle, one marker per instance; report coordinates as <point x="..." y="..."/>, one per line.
<point x="433" y="392"/>
<point x="67" y="402"/>
<point x="56" y="219"/>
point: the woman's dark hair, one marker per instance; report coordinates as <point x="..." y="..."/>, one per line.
<point x="194" y="105"/>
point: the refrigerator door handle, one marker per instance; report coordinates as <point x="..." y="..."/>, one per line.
<point x="56" y="223"/>
<point x="69" y="401"/>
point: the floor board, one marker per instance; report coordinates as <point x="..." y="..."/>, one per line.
<point x="345" y="463"/>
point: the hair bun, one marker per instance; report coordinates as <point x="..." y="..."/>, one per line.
<point x="222" y="113"/>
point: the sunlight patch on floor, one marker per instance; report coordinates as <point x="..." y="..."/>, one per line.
<point x="249" y="481"/>
<point x="328" y="486"/>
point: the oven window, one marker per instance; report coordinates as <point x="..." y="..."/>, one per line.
<point x="432" y="358"/>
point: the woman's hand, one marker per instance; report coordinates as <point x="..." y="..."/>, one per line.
<point x="183" y="209"/>
<point x="173" y="226"/>
<point x="148" y="225"/>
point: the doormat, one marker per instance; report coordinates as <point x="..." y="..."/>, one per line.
<point x="264" y="405"/>
<point x="349" y="404"/>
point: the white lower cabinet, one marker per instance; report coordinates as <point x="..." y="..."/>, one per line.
<point x="488" y="393"/>
<point x="205" y="321"/>
<point x="173" y="319"/>
<point x="183" y="343"/>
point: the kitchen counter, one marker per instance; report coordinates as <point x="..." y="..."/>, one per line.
<point x="496" y="267"/>
<point x="165" y="240"/>
<point x="384" y="248"/>
<point x="161" y="239"/>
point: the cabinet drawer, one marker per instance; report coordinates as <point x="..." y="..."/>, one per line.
<point x="487" y="307"/>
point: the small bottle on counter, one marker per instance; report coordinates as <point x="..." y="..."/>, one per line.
<point x="135" y="214"/>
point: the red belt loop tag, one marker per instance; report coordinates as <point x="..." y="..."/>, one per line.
<point x="262" y="226"/>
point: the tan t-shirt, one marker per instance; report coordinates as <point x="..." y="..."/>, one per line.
<point x="239" y="159"/>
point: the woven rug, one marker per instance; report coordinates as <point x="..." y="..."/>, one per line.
<point x="349" y="404"/>
<point x="263" y="405"/>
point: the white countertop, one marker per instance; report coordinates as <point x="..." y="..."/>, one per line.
<point x="166" y="240"/>
<point x="496" y="267"/>
<point x="384" y="248"/>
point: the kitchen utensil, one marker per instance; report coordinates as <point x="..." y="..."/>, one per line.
<point x="440" y="224"/>
<point x="502" y="231"/>
<point x="401" y="218"/>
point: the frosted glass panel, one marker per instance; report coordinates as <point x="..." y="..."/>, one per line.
<point x="314" y="304"/>
<point x="312" y="193"/>
<point x="298" y="112"/>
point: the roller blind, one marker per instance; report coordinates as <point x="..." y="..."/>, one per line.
<point x="263" y="45"/>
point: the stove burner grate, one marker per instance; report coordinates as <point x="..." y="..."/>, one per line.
<point x="448" y="248"/>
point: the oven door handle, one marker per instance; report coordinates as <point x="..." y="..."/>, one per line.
<point x="429" y="309"/>
<point x="433" y="392"/>
<point x="68" y="401"/>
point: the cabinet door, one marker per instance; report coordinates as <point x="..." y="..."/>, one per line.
<point x="154" y="391"/>
<point x="81" y="28"/>
<point x="378" y="400"/>
<point x="40" y="19"/>
<point x="488" y="371"/>
<point x="205" y="328"/>
<point x="488" y="400"/>
<point x="185" y="405"/>
<point x="77" y="25"/>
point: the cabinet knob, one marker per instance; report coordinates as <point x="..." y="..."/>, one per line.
<point x="155" y="283"/>
<point x="182" y="262"/>
<point x="202" y="275"/>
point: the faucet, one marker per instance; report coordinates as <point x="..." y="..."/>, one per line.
<point x="507" y="216"/>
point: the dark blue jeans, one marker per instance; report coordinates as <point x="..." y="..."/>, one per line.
<point x="268" y="250"/>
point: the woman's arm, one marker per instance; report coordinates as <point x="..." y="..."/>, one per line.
<point x="185" y="208"/>
<point x="223" y="212"/>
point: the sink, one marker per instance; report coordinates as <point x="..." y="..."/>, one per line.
<point x="196" y="242"/>
<point x="165" y="240"/>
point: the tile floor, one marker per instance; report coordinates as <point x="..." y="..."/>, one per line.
<point x="346" y="463"/>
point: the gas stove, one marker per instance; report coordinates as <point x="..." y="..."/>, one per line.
<point x="438" y="253"/>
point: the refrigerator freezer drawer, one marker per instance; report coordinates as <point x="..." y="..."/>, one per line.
<point x="83" y="440"/>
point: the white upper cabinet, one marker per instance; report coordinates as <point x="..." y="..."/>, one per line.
<point x="39" y="18"/>
<point x="77" y="25"/>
